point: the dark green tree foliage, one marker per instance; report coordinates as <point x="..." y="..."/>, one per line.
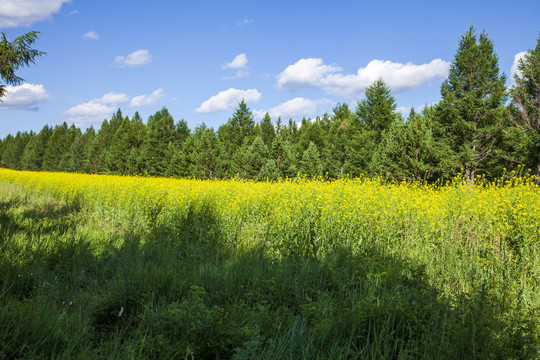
<point x="334" y="151"/>
<point x="161" y="131"/>
<point x="377" y="110"/>
<point x="269" y="171"/>
<point x="374" y="115"/>
<point x="256" y="158"/>
<point x="419" y="146"/>
<point x="240" y="127"/>
<point x="56" y="147"/>
<point x="11" y="156"/>
<point x="96" y="154"/>
<point x="73" y="160"/>
<point x="472" y="106"/>
<point x="267" y="130"/>
<point x="406" y="150"/>
<point x="238" y="165"/>
<point x="310" y="164"/>
<point x="310" y="132"/>
<point x="32" y="157"/>
<point x="120" y="148"/>
<point x="14" y="55"/>
<point x="73" y="150"/>
<point x="526" y="97"/>
<point x="284" y="156"/>
<point x="205" y="153"/>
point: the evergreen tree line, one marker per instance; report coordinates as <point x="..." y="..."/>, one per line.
<point x="479" y="127"/>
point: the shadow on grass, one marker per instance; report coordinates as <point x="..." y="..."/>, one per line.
<point x="181" y="291"/>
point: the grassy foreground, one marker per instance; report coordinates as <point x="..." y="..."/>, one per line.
<point x="98" y="267"/>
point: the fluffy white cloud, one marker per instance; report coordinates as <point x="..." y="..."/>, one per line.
<point x="305" y="73"/>
<point x="91" y="35"/>
<point x="96" y="110"/>
<point x="227" y="99"/>
<point x="514" y="70"/>
<point x="136" y="58"/>
<point x="240" y="61"/>
<point x="400" y="77"/>
<point x="147" y="100"/>
<point x="113" y="98"/>
<point x="295" y="108"/>
<point x="24" y="97"/>
<point x="26" y="12"/>
<point x="244" y="22"/>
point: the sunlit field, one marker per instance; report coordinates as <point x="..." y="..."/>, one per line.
<point x="136" y="267"/>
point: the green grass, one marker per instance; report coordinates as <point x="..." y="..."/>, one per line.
<point x="75" y="283"/>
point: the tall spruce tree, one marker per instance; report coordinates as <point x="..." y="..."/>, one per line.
<point x="334" y="151"/>
<point x="374" y="115"/>
<point x="310" y="164"/>
<point x="472" y="105"/>
<point x="32" y="158"/>
<point x="377" y="110"/>
<point x="526" y="97"/>
<point x="284" y="155"/>
<point x="161" y="131"/>
<point x="267" y="130"/>
<point x="56" y="148"/>
<point x="205" y="153"/>
<point x="257" y="157"/>
<point x="241" y="126"/>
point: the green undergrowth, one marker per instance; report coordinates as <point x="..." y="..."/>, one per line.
<point x="77" y="282"/>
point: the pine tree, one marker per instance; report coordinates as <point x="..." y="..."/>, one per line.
<point x="56" y="148"/>
<point x="377" y="110"/>
<point x="205" y="153"/>
<point x="269" y="171"/>
<point x="284" y="155"/>
<point x="160" y="133"/>
<point x="526" y="97"/>
<point x="334" y="151"/>
<point x="267" y="130"/>
<point x="32" y="157"/>
<point x="257" y="157"/>
<point x="472" y="106"/>
<point x="14" y="55"/>
<point x="311" y="162"/>
<point x="239" y="128"/>
<point x="72" y="149"/>
<point x="11" y="156"/>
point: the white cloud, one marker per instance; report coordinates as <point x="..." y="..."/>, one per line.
<point x="227" y="99"/>
<point x="297" y="107"/>
<point x="136" y="58"/>
<point x="239" y="62"/>
<point x="147" y="100"/>
<point x="305" y="73"/>
<point x="244" y="22"/>
<point x="514" y="70"/>
<point x="239" y="74"/>
<point x="24" y="97"/>
<point x="400" y="77"/>
<point x="113" y="98"/>
<point x="26" y="12"/>
<point x="91" y="35"/>
<point x="96" y="110"/>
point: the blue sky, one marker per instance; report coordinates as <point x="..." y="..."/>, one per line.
<point x="198" y="59"/>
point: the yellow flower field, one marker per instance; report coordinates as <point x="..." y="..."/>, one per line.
<point x="433" y="270"/>
<point x="350" y="209"/>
